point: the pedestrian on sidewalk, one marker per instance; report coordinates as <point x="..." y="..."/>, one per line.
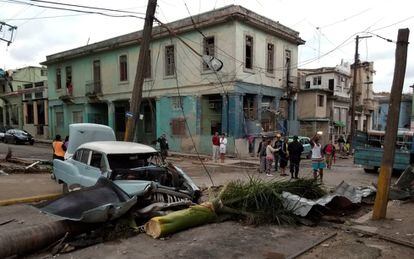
<point x="163" y="146"/>
<point x="283" y="156"/>
<point x="223" y="144"/>
<point x="58" y="151"/>
<point x="295" y="151"/>
<point x="341" y="143"/>
<point x="216" y="145"/>
<point x="261" y="153"/>
<point x="269" y="157"/>
<point x="329" y="151"/>
<point x="277" y="145"/>
<point x="318" y="163"/>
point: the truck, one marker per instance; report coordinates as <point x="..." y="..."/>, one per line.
<point x="368" y="150"/>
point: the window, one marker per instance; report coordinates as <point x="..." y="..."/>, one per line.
<point x="321" y="100"/>
<point x="248" y="61"/>
<point x="78" y="155"/>
<point x="307" y="84"/>
<point x="317" y="80"/>
<point x="270" y="58"/>
<point x="43" y="72"/>
<point x="177" y="102"/>
<point x="178" y="126"/>
<point x="38" y="95"/>
<point x="147" y="72"/>
<point x="96" y="72"/>
<point x="68" y="71"/>
<point x="85" y="156"/>
<point x="336" y="115"/>
<point x="59" y="119"/>
<point x="331" y="84"/>
<point x="58" y="78"/>
<point x="169" y="61"/>
<point x="96" y="160"/>
<point x="77" y="117"/>
<point x="27" y="86"/>
<point x="344" y="115"/>
<point x="30" y="114"/>
<point x="123" y="68"/>
<point x="28" y="96"/>
<point x="208" y="49"/>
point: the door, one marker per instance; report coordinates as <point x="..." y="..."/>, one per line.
<point x="92" y="170"/>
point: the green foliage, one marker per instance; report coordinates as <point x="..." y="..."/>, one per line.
<point x="258" y="201"/>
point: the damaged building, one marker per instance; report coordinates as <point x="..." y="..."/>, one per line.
<point x="251" y="95"/>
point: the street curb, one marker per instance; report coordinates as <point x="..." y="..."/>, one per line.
<point x="30" y="199"/>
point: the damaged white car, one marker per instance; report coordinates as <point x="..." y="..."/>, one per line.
<point x="136" y="168"/>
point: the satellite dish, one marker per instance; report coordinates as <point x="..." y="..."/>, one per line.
<point x="213" y="63"/>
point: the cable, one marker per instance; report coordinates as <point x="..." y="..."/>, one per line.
<point x="75" y="10"/>
<point x="44" y="17"/>
<point x="345" y="19"/>
<point x="400" y="21"/>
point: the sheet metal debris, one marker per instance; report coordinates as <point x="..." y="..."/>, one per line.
<point x="302" y="206"/>
<point x="99" y="203"/>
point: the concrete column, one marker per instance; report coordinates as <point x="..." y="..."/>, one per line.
<point x="111" y="115"/>
<point x="236" y="127"/>
<point x="224" y="114"/>
<point x="4" y="115"/>
<point x="197" y="103"/>
<point x="258" y="105"/>
<point x="35" y="117"/>
<point x="46" y="109"/>
<point x="24" y="113"/>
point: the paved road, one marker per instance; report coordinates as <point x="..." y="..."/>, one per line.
<point x="37" y="151"/>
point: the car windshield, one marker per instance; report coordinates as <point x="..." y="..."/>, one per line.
<point x="126" y="161"/>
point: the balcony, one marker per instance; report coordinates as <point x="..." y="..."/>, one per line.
<point x="66" y="95"/>
<point x="94" y="91"/>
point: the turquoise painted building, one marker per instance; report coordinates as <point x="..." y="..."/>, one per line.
<point x="182" y="97"/>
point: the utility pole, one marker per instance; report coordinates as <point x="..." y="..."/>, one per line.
<point x="136" y="97"/>
<point x="353" y="89"/>
<point x="381" y="199"/>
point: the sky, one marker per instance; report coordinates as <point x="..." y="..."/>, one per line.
<point x="328" y="27"/>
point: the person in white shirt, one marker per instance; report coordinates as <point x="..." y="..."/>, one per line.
<point x="318" y="161"/>
<point x="223" y="144"/>
<point x="269" y="157"/>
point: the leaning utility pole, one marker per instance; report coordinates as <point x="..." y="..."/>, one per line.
<point x="136" y="97"/>
<point x="353" y="89"/>
<point x="381" y="199"/>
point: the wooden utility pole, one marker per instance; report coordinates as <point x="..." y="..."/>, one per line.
<point x="381" y="199"/>
<point x="136" y="97"/>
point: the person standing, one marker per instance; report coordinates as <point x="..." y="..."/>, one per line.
<point x="216" y="145"/>
<point x="277" y="145"/>
<point x="269" y="157"/>
<point x="295" y="151"/>
<point x="57" y="145"/>
<point x="318" y="163"/>
<point x="261" y="153"/>
<point x="329" y="151"/>
<point x="283" y="156"/>
<point x="341" y="142"/>
<point x="163" y="146"/>
<point x="223" y="144"/>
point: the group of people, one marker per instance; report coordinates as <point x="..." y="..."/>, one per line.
<point x="219" y="146"/>
<point x="281" y="152"/>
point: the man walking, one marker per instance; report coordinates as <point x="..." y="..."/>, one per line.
<point x="216" y="145"/>
<point x="277" y="145"/>
<point x="295" y="151"/>
<point x="318" y="163"/>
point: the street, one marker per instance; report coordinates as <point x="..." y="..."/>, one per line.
<point x="218" y="240"/>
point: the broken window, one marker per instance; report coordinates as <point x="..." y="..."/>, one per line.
<point x="30" y="114"/>
<point x="270" y="58"/>
<point x="58" y="78"/>
<point x="321" y="100"/>
<point x="123" y="68"/>
<point x="248" y="62"/>
<point x="317" y="80"/>
<point x="208" y="49"/>
<point x="169" y="60"/>
<point x="147" y="69"/>
<point x="178" y="126"/>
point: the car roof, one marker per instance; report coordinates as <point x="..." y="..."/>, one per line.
<point x="118" y="147"/>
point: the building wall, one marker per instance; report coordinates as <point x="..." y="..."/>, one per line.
<point x="404" y="120"/>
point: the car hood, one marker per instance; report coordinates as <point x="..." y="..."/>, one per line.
<point x="133" y="187"/>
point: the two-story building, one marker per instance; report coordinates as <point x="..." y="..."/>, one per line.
<point x="324" y="101"/>
<point x="182" y="96"/>
<point x="24" y="101"/>
<point x="380" y="114"/>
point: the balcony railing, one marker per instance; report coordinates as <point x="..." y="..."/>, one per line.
<point x="93" y="88"/>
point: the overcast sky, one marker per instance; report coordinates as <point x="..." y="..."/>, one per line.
<point x="329" y="28"/>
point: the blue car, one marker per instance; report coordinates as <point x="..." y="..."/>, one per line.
<point x="305" y="141"/>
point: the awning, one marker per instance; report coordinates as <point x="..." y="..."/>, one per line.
<point x="339" y="123"/>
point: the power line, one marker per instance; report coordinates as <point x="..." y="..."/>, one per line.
<point x="345" y="19"/>
<point x="390" y="25"/>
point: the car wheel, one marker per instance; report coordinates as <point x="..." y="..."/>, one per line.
<point x="370" y="170"/>
<point x="31" y="142"/>
<point x="65" y="188"/>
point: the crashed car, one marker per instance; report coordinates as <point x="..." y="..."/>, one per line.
<point x="136" y="168"/>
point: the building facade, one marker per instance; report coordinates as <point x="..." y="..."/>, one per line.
<point x="24" y="102"/>
<point x="182" y="96"/>
<point x="381" y="111"/>
<point x="365" y="103"/>
<point x="324" y="101"/>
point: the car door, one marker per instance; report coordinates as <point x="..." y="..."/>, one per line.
<point x="93" y="168"/>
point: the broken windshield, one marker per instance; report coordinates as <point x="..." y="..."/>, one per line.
<point x="126" y="161"/>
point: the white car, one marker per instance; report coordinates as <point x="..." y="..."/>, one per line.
<point x="135" y="168"/>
